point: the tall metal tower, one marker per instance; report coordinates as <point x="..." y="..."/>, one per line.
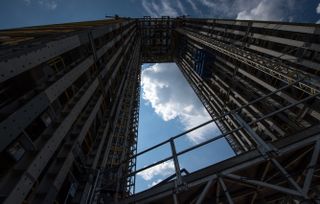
<point x="70" y="100"/>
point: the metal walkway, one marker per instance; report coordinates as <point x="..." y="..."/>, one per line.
<point x="250" y="177"/>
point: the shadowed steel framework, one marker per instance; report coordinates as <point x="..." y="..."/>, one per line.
<point x="69" y="109"/>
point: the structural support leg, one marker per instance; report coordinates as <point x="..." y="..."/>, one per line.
<point x="175" y="198"/>
<point x="204" y="191"/>
<point x="311" y="167"/>
<point x="225" y="190"/>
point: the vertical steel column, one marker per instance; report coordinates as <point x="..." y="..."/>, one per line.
<point x="176" y="162"/>
<point x="175" y="198"/>
<point x="93" y="189"/>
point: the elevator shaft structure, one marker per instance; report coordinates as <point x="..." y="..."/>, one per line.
<point x="69" y="109"/>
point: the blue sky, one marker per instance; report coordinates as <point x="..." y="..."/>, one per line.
<point x="168" y="105"/>
<point x="18" y="13"/>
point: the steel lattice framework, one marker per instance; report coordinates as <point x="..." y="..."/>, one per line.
<point x="69" y="110"/>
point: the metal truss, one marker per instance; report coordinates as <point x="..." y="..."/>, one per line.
<point x="90" y="146"/>
<point x="287" y="183"/>
<point x="123" y="140"/>
<point x="272" y="67"/>
<point x="217" y="90"/>
<point x="231" y="181"/>
<point x="205" y="94"/>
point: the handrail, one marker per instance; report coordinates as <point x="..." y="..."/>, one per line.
<point x="174" y="154"/>
<point x="212" y="120"/>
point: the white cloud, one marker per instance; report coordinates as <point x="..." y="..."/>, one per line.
<point x="193" y="5"/>
<point x="160" y="8"/>
<point x="146" y="7"/>
<point x="221" y="8"/>
<point x="242" y="9"/>
<point x="171" y="97"/>
<point x="181" y="7"/>
<point x="155" y="183"/>
<point x="265" y="10"/>
<point x="276" y="10"/>
<point x="208" y="3"/>
<point x="164" y="169"/>
<point x="167" y="10"/>
<point x="48" y="4"/>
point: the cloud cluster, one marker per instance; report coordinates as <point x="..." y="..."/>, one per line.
<point x="164" y="87"/>
<point x="162" y="8"/>
<point x="265" y="10"/>
<point x="194" y="7"/>
<point x="155" y="183"/>
<point x="47" y="4"/>
<point x="164" y="169"/>
<point x="240" y="9"/>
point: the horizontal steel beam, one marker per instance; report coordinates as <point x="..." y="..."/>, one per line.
<point x="230" y="166"/>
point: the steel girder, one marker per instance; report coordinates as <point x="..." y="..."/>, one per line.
<point x="247" y="177"/>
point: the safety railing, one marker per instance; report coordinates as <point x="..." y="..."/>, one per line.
<point x="261" y="145"/>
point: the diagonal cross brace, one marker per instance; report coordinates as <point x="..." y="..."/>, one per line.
<point x="311" y="167"/>
<point x="225" y="190"/>
<point x="262" y="184"/>
<point x="264" y="148"/>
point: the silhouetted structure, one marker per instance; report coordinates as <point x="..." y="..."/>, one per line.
<point x="70" y="99"/>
